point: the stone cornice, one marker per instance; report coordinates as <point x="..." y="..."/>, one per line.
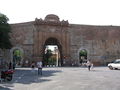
<point x="53" y="23"/>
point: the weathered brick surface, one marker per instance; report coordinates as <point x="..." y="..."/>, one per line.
<point x="101" y="42"/>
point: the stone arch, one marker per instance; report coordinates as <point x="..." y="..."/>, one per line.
<point x="15" y="48"/>
<point x="88" y="56"/>
<point x="52" y="37"/>
<point x="54" y="41"/>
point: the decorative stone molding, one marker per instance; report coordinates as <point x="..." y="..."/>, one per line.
<point x="51" y="19"/>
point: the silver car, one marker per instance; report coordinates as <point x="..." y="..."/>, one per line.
<point x="114" y="65"/>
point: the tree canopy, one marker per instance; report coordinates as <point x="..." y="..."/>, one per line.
<point x="4" y="32"/>
<point x="83" y="53"/>
<point x="48" y="54"/>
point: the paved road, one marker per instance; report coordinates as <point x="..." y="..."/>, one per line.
<point x="64" y="78"/>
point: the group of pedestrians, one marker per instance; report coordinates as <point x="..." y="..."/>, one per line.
<point x="89" y="64"/>
<point x="39" y="66"/>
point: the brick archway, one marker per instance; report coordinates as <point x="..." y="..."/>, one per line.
<point x="87" y="50"/>
<point x="54" y="41"/>
<point x="49" y="28"/>
<point x="21" y="50"/>
<point x="59" y="39"/>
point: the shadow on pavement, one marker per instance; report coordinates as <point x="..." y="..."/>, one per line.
<point x="26" y="76"/>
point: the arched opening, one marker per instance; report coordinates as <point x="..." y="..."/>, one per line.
<point x="17" y="56"/>
<point x="52" y="55"/>
<point x="82" y="56"/>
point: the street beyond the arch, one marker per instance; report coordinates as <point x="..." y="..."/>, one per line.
<point x="64" y="78"/>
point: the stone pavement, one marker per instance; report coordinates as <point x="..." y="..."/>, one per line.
<point x="64" y="78"/>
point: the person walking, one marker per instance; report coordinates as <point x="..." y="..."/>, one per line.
<point x="10" y="65"/>
<point x="39" y="65"/>
<point x="89" y="64"/>
<point x="33" y="66"/>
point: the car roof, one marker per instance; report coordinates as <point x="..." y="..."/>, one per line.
<point x="117" y="60"/>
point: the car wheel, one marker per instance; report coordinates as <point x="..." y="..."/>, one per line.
<point x="110" y="67"/>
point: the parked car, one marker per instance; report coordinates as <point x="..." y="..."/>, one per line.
<point x="114" y="65"/>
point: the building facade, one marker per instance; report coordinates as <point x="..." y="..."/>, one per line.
<point x="102" y="43"/>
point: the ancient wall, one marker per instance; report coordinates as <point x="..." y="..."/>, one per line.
<point x="22" y="38"/>
<point x="101" y="42"/>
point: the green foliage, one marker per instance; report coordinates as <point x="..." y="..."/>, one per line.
<point x="47" y="55"/>
<point x="17" y="53"/>
<point x="4" y="32"/>
<point x="83" y="53"/>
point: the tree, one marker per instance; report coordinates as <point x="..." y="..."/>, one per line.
<point x="83" y="54"/>
<point x="4" y="32"/>
<point x="48" y="54"/>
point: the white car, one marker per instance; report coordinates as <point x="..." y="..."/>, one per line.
<point x="114" y="65"/>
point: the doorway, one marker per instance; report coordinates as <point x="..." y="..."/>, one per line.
<point x="17" y="56"/>
<point x="83" y="56"/>
<point x="52" y="55"/>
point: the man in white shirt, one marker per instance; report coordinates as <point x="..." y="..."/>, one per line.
<point x="39" y="65"/>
